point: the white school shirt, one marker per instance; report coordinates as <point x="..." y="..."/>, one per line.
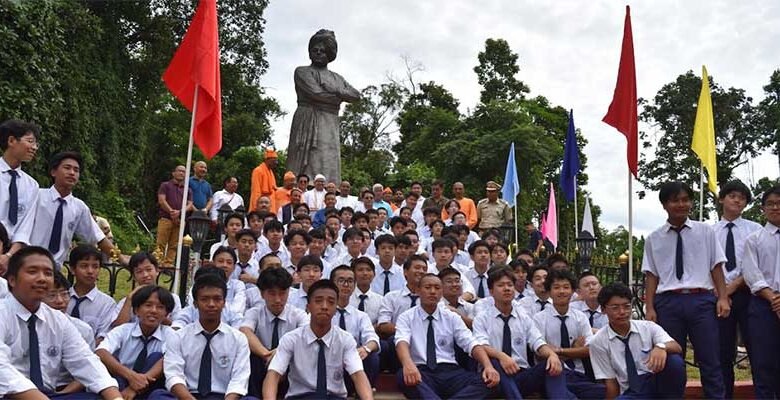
<point x="214" y="247"/>
<point x="464" y="307"/>
<point x="59" y="344"/>
<point x="742" y="228"/>
<point x="482" y="305"/>
<point x="298" y="299"/>
<point x="467" y="286"/>
<point x="462" y="257"/>
<point x="190" y="314"/>
<point x="701" y="253"/>
<point x="761" y="261"/>
<point x="253" y="297"/>
<point x="424" y="232"/>
<point x="261" y="321"/>
<point x="125" y="344"/>
<point x="394" y="304"/>
<point x="85" y="331"/>
<point x="235" y="301"/>
<point x="358" y="325"/>
<point x="531" y="306"/>
<point x="221" y="197"/>
<point x="371" y="303"/>
<point x="229" y="359"/>
<point x="600" y="319"/>
<point x="472" y="275"/>
<point x="417" y="215"/>
<point x="396" y="277"/>
<point x="346" y="201"/>
<point x="263" y="248"/>
<point x="3" y="288"/>
<point x="96" y="310"/>
<point x="346" y="259"/>
<point x="315" y="199"/>
<point x="134" y="318"/>
<point x="27" y="190"/>
<point x="489" y="330"/>
<point x="607" y="351"/>
<point x="76" y="221"/>
<point x="297" y="356"/>
<point x="550" y="327"/>
<point x="251" y="267"/>
<point x="448" y="328"/>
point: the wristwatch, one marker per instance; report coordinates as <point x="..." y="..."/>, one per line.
<point x="661" y="345"/>
<point x="367" y="349"/>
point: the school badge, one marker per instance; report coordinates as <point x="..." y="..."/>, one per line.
<point x="224" y="361"/>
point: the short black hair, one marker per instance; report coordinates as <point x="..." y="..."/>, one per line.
<point x="559" y="275"/>
<point x="137" y="258"/>
<point x="301" y="217"/>
<point x="142" y="295"/>
<point x="297" y="232"/>
<point x="17" y="260"/>
<point x="233" y="215"/>
<point x="429" y="275"/>
<point x="535" y="268"/>
<point x="227" y="179"/>
<point x="492" y="232"/>
<point x="274" y="278"/>
<point x="478" y="243"/>
<point x="5" y="240"/>
<point x="501" y="245"/>
<point x="363" y="260"/>
<point x="265" y="257"/>
<point x="83" y="252"/>
<point x="442" y="243"/>
<point x="495" y="274"/>
<point x="274" y="225"/>
<point x="301" y="205"/>
<point x="519" y="263"/>
<point x="357" y="217"/>
<point x="403" y="240"/>
<point x="385" y="239"/>
<point x="346" y="209"/>
<point x="225" y="249"/>
<point x="245" y="232"/>
<point x="58" y="158"/>
<point x="735" y="186"/>
<point x="209" y="280"/>
<point x="340" y="268"/>
<point x="318" y="233"/>
<point x="350" y="233"/>
<point x="447" y="272"/>
<point x="321" y="284"/>
<point x="411" y="232"/>
<point x="668" y="190"/>
<point x="414" y="257"/>
<point x="431" y="211"/>
<point x="773" y="190"/>
<point x="210" y="269"/>
<point x="554" y="258"/>
<point x="614" y="289"/>
<point x="60" y="281"/>
<point x="586" y="274"/>
<point x="17" y="129"/>
<point x="309" y="260"/>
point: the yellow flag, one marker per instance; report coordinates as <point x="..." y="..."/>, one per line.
<point x="703" y="143"/>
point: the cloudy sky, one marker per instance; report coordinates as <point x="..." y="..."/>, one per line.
<point x="569" y="52"/>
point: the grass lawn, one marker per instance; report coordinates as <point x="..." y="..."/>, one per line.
<point x="741" y="371"/>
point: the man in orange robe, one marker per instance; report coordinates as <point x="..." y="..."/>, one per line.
<point x="282" y="194"/>
<point x="263" y="180"/>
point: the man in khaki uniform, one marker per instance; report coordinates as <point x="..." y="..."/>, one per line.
<point x="492" y="211"/>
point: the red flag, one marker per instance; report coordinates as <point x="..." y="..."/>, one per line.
<point x="622" y="112"/>
<point x="196" y="64"/>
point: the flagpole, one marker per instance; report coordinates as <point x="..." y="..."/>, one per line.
<point x="630" y="232"/>
<point x="517" y="238"/>
<point x="576" y="223"/>
<point x="701" y="192"/>
<point x="182" y="217"/>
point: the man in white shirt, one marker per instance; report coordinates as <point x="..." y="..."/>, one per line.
<point x="541" y="297"/>
<point x="363" y="298"/>
<point x="635" y="359"/>
<point x="37" y="341"/>
<point x="335" y="351"/>
<point x="87" y="302"/>
<point x="429" y="368"/>
<point x="477" y="274"/>
<point x="388" y="275"/>
<point x="315" y="198"/>
<point x="344" y="199"/>
<point x="682" y="265"/>
<point x="227" y="196"/>
<point x="588" y="288"/>
<point x="761" y="269"/>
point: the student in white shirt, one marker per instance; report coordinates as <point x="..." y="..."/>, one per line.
<point x="19" y="142"/>
<point x="144" y="269"/>
<point x="588" y="288"/>
<point x="389" y="275"/>
<point x="133" y="352"/>
<point x="428" y="359"/>
<point x="452" y="289"/>
<point x="247" y="268"/>
<point x="264" y="326"/>
<point x="510" y="332"/>
<point x="189" y="314"/>
<point x="296" y="241"/>
<point x="315" y="356"/>
<point x="499" y="254"/>
<point x="36" y="341"/>
<point x="309" y="271"/>
<point x="235" y="300"/>
<point x="363" y="298"/>
<point x="443" y="250"/>
<point x="357" y="323"/>
<point x="635" y="359"/>
<point x="541" y="300"/>
<point x="403" y="249"/>
<point x="521" y="268"/>
<point x="567" y="331"/>
<point x="234" y="222"/>
<point x="87" y="302"/>
<point x="477" y="274"/>
<point x="761" y="269"/>
<point x="354" y="241"/>
<point x="208" y="358"/>
<point x="273" y="231"/>
<point x="682" y="265"/>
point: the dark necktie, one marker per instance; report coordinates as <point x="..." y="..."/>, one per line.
<point x="204" y="375"/>
<point x="414" y="300"/>
<point x="275" y="334"/>
<point x="430" y="346"/>
<point x="731" y="257"/>
<point x="520" y="296"/>
<point x="481" y="289"/>
<point x="591" y="313"/>
<point x="542" y="303"/>
<point x="678" y="253"/>
<point x="322" y="376"/>
<point x="633" y="377"/>
<point x="506" y="342"/>
<point x="34" y="353"/>
<point x="56" y="229"/>
<point x="75" y="312"/>
<point x="342" y="322"/>
<point x="565" y="343"/>
<point x="387" y="282"/>
<point x="13" y="200"/>
<point x="140" y="361"/>
<point x="362" y="304"/>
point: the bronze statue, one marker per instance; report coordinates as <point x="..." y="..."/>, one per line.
<point x="315" y="146"/>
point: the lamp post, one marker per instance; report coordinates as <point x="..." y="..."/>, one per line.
<point x="222" y="213"/>
<point x="199" y="224"/>
<point x="585" y="242"/>
<point x="623" y="262"/>
<point x="240" y="210"/>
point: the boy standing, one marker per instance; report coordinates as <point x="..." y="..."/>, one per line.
<point x="363" y="298"/>
<point x="87" y="302"/>
<point x="389" y="274"/>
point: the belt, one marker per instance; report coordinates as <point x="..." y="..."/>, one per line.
<point x="691" y="291"/>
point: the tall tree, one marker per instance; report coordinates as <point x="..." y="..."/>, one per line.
<point x="769" y="114"/>
<point x="496" y="73"/>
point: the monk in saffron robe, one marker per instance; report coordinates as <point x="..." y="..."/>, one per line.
<point x="264" y="181"/>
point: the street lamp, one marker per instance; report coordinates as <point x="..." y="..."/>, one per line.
<point x="507" y="232"/>
<point x="585" y="243"/>
<point x="199" y="228"/>
<point x="240" y="210"/>
<point x="199" y="224"/>
<point x="222" y="213"/>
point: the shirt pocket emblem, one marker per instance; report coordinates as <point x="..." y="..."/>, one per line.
<point x="53" y="351"/>
<point x="223" y="361"/>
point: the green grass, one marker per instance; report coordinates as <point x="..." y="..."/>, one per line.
<point x="741" y="371"/>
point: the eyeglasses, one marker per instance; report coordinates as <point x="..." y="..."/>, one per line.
<point x="53" y="296"/>
<point x="772" y="204"/>
<point x="345" y="282"/>
<point x="619" y="307"/>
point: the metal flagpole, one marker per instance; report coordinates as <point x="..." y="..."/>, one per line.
<point x="517" y="238"/>
<point x="182" y="218"/>
<point x="630" y="232"/>
<point x="701" y="192"/>
<point x="576" y="223"/>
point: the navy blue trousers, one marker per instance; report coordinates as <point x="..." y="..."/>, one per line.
<point x="166" y="395"/>
<point x="667" y="384"/>
<point x="257" y="373"/>
<point x="447" y="381"/>
<point x="693" y="316"/>
<point x="370" y="367"/>
<point x="151" y="359"/>
<point x="740" y="302"/>
<point x="582" y="386"/>
<point x="765" y="357"/>
<point x="388" y="360"/>
<point x="530" y="381"/>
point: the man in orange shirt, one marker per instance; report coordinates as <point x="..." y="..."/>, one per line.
<point x="263" y="180"/>
<point x="467" y="205"/>
<point x="282" y="194"/>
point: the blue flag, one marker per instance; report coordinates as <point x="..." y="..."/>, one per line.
<point x="511" y="185"/>
<point x="571" y="162"/>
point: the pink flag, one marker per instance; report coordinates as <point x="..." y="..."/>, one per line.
<point x="551" y="224"/>
<point x="543" y="226"/>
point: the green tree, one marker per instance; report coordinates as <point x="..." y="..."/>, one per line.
<point x="769" y="114"/>
<point x="496" y="73"/>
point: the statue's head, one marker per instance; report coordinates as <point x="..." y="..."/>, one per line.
<point x="323" y="47"/>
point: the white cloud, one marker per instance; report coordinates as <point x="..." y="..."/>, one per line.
<point x="568" y="50"/>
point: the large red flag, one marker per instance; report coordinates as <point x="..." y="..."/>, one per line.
<point x="622" y="112"/>
<point x="196" y="64"/>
